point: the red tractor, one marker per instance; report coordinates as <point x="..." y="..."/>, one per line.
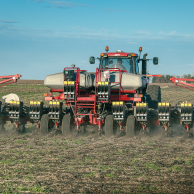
<point x="115" y="98"/>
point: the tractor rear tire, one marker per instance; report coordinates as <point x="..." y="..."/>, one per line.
<point x="108" y="127"/>
<point x="44" y="124"/>
<point x="153" y="96"/>
<point x="66" y="125"/>
<point x="130" y="126"/>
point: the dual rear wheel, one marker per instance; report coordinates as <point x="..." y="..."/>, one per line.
<point x="130" y="126"/>
<point x="65" y="127"/>
<point x="44" y="124"/>
<point x="109" y="126"/>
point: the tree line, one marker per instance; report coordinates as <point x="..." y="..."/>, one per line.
<point x="166" y="78"/>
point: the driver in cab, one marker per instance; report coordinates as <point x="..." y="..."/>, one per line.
<point x="119" y="65"/>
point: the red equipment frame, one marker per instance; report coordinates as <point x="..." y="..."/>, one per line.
<point x="116" y="97"/>
<point x="178" y="81"/>
<point x="9" y="79"/>
<point x="89" y="100"/>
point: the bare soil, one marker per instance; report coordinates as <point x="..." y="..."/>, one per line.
<point x="31" y="163"/>
<point x="92" y="164"/>
<point x="23" y="81"/>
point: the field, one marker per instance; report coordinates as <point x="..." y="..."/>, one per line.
<point x="31" y="163"/>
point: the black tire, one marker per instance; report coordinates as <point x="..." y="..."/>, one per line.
<point x="170" y="132"/>
<point x="153" y="96"/>
<point x="44" y="122"/>
<point x="66" y="125"/>
<point x="108" y="127"/>
<point x="162" y="132"/>
<point x="130" y="126"/>
<point x="21" y="128"/>
<point x="2" y="128"/>
<point x="192" y="129"/>
<point x="83" y="129"/>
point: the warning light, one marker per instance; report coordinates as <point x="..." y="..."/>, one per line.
<point x="106" y="48"/>
<point x="140" y="49"/>
<point x="159" y="75"/>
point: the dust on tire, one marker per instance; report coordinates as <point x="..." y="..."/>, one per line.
<point x="130" y="126"/>
<point x="66" y="125"/>
<point x="44" y="124"/>
<point x="108" y="127"/>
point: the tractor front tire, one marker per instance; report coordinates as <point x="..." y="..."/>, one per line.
<point x="130" y="126"/>
<point x="66" y="125"/>
<point x="44" y="124"/>
<point x="108" y="127"/>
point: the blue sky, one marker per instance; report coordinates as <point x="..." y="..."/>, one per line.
<point x="41" y="37"/>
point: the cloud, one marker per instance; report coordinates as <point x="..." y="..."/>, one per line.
<point x="38" y="0"/>
<point x="190" y="65"/>
<point x="172" y="33"/>
<point x="61" y="4"/>
<point x="143" y="32"/>
<point x="7" y="25"/>
<point x="114" y="10"/>
<point x="8" y="21"/>
<point x="174" y="36"/>
<point x="170" y="36"/>
<point x="81" y="32"/>
<point x="67" y="4"/>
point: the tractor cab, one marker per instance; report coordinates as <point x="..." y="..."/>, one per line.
<point x="124" y="61"/>
<point x="120" y="60"/>
<point x="127" y="62"/>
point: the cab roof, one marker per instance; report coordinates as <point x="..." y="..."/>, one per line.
<point x="119" y="54"/>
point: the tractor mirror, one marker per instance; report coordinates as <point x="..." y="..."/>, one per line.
<point x="92" y="60"/>
<point x="155" y="60"/>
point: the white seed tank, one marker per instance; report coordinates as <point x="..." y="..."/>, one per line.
<point x="129" y="81"/>
<point x="56" y="81"/>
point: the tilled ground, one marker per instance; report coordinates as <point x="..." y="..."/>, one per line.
<point x="31" y="163"/>
<point x="92" y="164"/>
